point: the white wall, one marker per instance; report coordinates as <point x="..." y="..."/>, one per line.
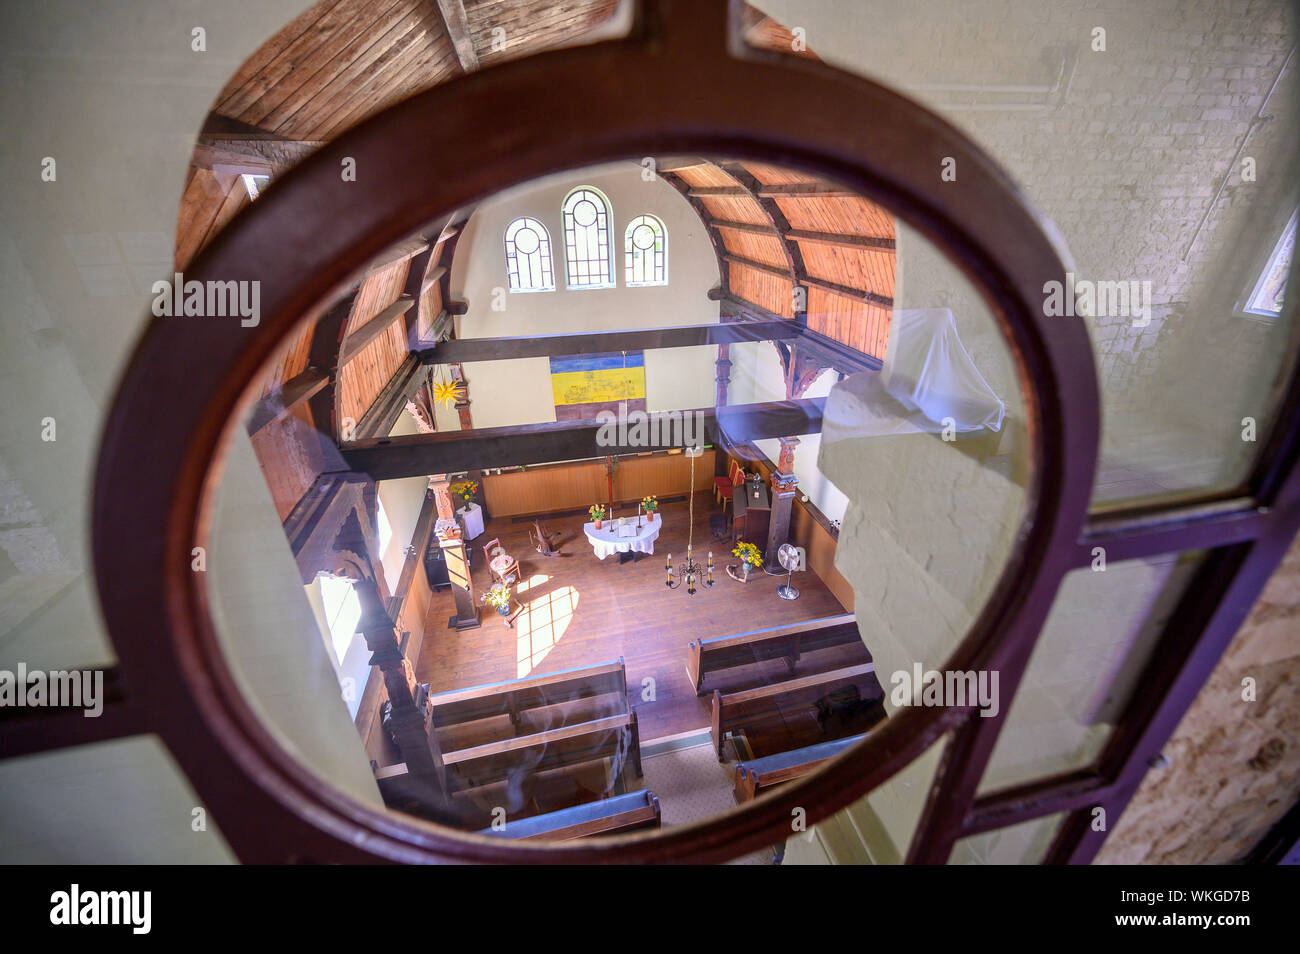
<point x="519" y="391"/>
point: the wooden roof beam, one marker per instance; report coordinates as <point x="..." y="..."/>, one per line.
<point x="465" y="350"/>
<point x="356" y="342"/>
<point x="863" y="242"/>
<point x="441" y="452"/>
<point x="799" y="190"/>
<point x="457" y="25"/>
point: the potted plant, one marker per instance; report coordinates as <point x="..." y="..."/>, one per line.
<point x="750" y="557"/>
<point x="597" y="514"/>
<point x="650" y="504"/>
<point x="498" y="597"/>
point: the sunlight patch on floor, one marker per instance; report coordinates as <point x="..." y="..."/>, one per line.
<point x="541" y="623"/>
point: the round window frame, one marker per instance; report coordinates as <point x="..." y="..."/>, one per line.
<point x="310" y="233"/>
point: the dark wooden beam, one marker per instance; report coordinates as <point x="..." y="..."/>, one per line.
<point x="808" y="190"/>
<point x="463" y="350"/>
<point x="745" y="227"/>
<point x="867" y="242"/>
<point x="356" y="342"/>
<point x="831" y="353"/>
<point x="776" y="270"/>
<point x="402" y="250"/>
<point x="457" y="25"/>
<point x="781" y="225"/>
<point x="388" y="406"/>
<point x="858" y="294"/>
<point x="301" y="387"/>
<point x="454" y="451"/>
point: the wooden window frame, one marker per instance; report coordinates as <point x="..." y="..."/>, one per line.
<point x="643" y="97"/>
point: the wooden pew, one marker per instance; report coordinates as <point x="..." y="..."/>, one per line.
<point x="566" y="746"/>
<point x="781" y="699"/>
<point x="619" y="813"/>
<point x="757" y="776"/>
<point x="709" y="656"/>
<point x="513" y="697"/>
<point x="464" y="718"/>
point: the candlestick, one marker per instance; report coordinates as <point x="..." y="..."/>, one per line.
<point x="690" y="584"/>
<point x="670" y="563"/>
<point x="710" y="559"/>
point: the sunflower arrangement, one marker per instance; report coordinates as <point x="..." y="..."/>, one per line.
<point x="597" y="512"/>
<point x="465" y="490"/>
<point x="496" y="596"/>
<point x="650" y="504"/>
<point x="748" y="553"/>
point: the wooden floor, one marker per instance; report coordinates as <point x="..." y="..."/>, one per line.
<point x="579" y="610"/>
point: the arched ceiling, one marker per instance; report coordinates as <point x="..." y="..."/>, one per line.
<point x="788" y="245"/>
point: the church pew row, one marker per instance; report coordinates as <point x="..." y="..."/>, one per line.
<point x="612" y="737"/>
<point x="757" y="776"/>
<point x="790" y="643"/>
<point x="781" y="703"/>
<point x="621" y="813"/>
<point x="514" y="699"/>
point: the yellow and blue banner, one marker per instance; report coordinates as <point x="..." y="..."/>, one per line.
<point x="584" y="385"/>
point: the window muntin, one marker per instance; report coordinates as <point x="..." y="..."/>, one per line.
<point x="588" y="252"/>
<point x="645" y="251"/>
<point x="528" y="256"/>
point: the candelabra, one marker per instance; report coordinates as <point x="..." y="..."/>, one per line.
<point x="689" y="572"/>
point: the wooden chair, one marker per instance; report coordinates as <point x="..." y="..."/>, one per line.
<point x="723" y="486"/>
<point x="541" y="539"/>
<point x="493" y="549"/>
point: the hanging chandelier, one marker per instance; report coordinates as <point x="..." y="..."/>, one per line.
<point x="690" y="572"/>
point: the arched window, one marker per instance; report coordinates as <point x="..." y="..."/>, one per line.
<point x="528" y="256"/>
<point x="645" y="251"/>
<point x="588" y="254"/>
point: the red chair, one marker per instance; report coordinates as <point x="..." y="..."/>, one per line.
<point x="723" y="486"/>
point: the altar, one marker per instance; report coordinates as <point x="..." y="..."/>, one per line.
<point x="630" y="539"/>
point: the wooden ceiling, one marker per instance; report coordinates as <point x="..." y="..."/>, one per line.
<point x="775" y="231"/>
<point x="342" y="60"/>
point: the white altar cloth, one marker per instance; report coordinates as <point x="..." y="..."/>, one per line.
<point x="606" y="540"/>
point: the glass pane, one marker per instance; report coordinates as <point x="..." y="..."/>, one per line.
<point x="1085" y="667"/>
<point x="604" y="624"/>
<point x="1023" y="844"/>
<point x="1170" y="184"/>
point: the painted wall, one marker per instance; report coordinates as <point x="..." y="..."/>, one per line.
<point x="519" y="391"/>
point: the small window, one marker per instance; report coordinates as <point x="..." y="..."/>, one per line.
<point x="588" y="255"/>
<point x="528" y="256"/>
<point x="645" y="251"/>
<point x="1264" y="302"/>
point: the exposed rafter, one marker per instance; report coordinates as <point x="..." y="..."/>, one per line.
<point x="780" y="225"/>
<point x="457" y="26"/>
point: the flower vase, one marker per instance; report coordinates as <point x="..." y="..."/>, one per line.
<point x="597" y="524"/>
<point x="745" y="570"/>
